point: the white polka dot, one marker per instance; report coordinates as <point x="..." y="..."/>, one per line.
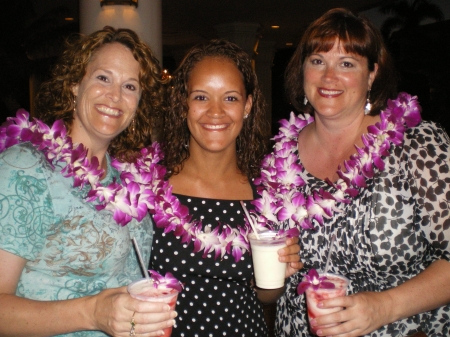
<point x="203" y="202"/>
<point x="189" y="199"/>
<point x="210" y="210"/>
<point x="224" y="211"/>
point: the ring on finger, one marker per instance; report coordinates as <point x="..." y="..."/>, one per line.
<point x="133" y="324"/>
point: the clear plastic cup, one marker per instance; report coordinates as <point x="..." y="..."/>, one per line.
<point x="313" y="297"/>
<point x="269" y="272"/>
<point x="145" y="291"/>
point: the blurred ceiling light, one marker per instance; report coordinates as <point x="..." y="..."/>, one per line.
<point x="275" y="27"/>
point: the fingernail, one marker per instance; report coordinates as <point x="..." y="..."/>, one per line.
<point x="320" y="304"/>
<point x="174" y="314"/>
<point x="313" y="321"/>
<point x="167" y="308"/>
<point x="319" y="332"/>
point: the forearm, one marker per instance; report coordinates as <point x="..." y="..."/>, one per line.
<point x="23" y="317"/>
<point x="427" y="291"/>
<point x="268" y="296"/>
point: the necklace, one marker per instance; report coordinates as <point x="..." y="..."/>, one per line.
<point x="283" y="204"/>
<point x="142" y="187"/>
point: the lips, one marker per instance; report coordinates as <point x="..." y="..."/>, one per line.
<point x="108" y="111"/>
<point x="215" y="126"/>
<point x="329" y="93"/>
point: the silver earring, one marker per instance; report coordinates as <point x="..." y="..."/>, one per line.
<point x="305" y="100"/>
<point x="246" y="116"/>
<point x="368" y="105"/>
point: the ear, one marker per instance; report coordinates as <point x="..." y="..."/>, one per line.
<point x="373" y="75"/>
<point x="248" y="105"/>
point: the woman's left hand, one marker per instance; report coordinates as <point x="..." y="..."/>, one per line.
<point x="290" y="255"/>
<point x="364" y="313"/>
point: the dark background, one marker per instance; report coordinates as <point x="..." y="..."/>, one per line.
<point x="33" y="32"/>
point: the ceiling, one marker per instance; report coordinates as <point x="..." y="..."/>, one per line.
<point x="187" y="22"/>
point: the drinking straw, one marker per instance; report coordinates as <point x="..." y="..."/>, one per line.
<point x="144" y="268"/>
<point x="329" y="253"/>
<point x="250" y="220"/>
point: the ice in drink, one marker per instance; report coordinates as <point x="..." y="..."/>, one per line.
<point x="144" y="290"/>
<point x="269" y="272"/>
<point x="313" y="297"/>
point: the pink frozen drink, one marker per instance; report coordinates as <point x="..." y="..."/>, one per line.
<point x="315" y="296"/>
<point x="144" y="290"/>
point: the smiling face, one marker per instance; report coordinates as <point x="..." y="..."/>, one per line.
<point x="336" y="82"/>
<point x="107" y="97"/>
<point x="217" y="105"/>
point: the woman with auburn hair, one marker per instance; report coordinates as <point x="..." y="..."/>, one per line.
<point x="363" y="169"/>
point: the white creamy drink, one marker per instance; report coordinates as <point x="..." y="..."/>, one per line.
<point x="269" y="272"/>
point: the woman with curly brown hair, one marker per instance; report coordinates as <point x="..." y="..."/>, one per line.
<point x="214" y="136"/>
<point x="66" y="255"/>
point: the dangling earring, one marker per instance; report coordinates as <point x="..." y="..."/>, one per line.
<point x="133" y="125"/>
<point x="74" y="105"/>
<point x="368" y="105"/>
<point x="305" y="100"/>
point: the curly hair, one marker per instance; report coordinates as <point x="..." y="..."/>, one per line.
<point x="252" y="141"/>
<point x="56" y="100"/>
<point x="356" y="35"/>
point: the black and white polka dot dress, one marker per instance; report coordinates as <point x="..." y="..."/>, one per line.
<point x="217" y="299"/>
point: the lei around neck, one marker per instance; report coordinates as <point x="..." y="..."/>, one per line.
<point x="141" y="189"/>
<point x="284" y="204"/>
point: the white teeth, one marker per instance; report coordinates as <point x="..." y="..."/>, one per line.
<point x="330" y="92"/>
<point x="215" y="126"/>
<point x="108" y="111"/>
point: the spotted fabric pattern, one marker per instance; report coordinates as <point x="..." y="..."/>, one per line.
<point x="217" y="299"/>
<point x="389" y="233"/>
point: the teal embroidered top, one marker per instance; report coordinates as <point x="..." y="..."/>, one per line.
<point x="72" y="250"/>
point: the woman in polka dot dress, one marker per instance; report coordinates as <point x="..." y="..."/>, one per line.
<point x="215" y="135"/>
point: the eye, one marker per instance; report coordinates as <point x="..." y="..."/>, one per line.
<point x="130" y="87"/>
<point x="231" y="98"/>
<point x="200" y="98"/>
<point x="316" y="61"/>
<point x="347" y="64"/>
<point x="102" y="78"/>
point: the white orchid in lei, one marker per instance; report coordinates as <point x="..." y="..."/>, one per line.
<point x="283" y="202"/>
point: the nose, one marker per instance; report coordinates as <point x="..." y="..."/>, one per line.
<point x="115" y="93"/>
<point x="329" y="73"/>
<point x="216" y="109"/>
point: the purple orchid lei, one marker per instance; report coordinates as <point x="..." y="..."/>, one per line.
<point x="142" y="188"/>
<point x="313" y="280"/>
<point x="283" y="204"/>
<point x="168" y="281"/>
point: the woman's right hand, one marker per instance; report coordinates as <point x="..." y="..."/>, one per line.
<point x="113" y="311"/>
